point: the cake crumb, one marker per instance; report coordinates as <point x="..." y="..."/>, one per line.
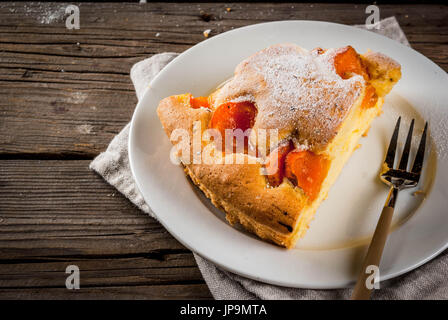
<point x="207" y="32"/>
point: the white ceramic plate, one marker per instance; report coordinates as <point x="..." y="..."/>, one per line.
<point x="329" y="256"/>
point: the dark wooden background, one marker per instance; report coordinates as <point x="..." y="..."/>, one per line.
<point x="64" y="94"/>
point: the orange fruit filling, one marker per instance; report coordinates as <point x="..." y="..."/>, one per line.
<point x="234" y="115"/>
<point x="306" y="170"/>
<point x="347" y="62"/>
<point x="199" y="102"/>
<point x="370" y="97"/>
<point x="275" y="164"/>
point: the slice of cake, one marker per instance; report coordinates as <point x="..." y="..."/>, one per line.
<point x="301" y="114"/>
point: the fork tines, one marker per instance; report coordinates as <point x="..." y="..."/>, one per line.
<point x="418" y="162"/>
<point x="402" y="173"/>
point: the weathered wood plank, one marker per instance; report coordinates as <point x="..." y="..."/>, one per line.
<point x="149" y="269"/>
<point x="189" y="291"/>
<point x="66" y="93"/>
<point x="57" y="213"/>
<point x="61" y="208"/>
<point x="64" y="120"/>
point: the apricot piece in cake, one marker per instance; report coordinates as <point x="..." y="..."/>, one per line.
<point x="370" y="97"/>
<point x="234" y="115"/>
<point x="199" y="102"/>
<point x="307" y="170"/>
<point x="275" y="164"/>
<point x="347" y="62"/>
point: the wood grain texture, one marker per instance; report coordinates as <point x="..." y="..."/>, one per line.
<point x="190" y="291"/>
<point x="64" y="94"/>
<point x="59" y="205"/>
<point x="56" y="213"/>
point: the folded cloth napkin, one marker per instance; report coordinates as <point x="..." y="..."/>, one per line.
<point x="428" y="281"/>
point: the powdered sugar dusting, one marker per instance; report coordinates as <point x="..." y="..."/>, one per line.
<point x="247" y="97"/>
<point x="303" y="83"/>
<point x="296" y="91"/>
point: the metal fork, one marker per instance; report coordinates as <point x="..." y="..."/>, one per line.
<point x="396" y="179"/>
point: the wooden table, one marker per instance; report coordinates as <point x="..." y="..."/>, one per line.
<point x="64" y="94"/>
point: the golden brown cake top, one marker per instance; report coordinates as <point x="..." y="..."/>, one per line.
<point x="296" y="91"/>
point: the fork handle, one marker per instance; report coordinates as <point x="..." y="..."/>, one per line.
<point x="373" y="257"/>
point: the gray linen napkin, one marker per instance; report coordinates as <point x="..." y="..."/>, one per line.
<point x="426" y="282"/>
